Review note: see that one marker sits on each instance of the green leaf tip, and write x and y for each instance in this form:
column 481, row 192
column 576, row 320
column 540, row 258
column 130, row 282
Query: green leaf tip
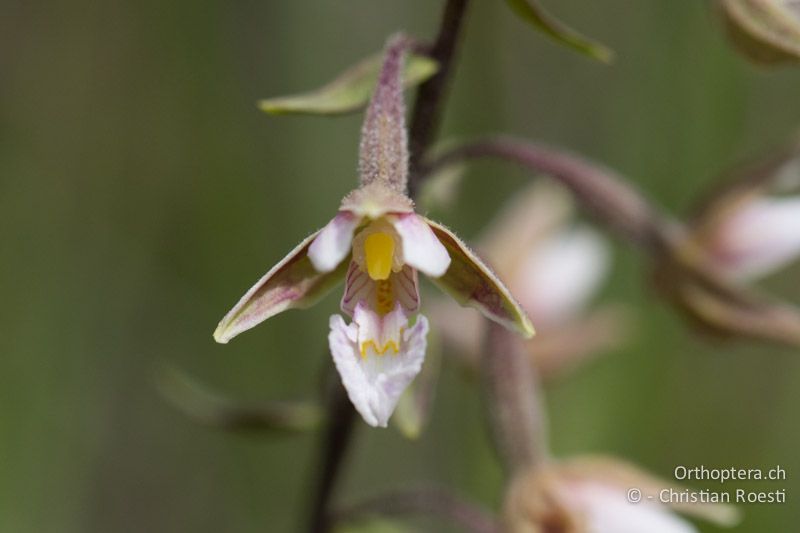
column 205, row 406
column 351, row 90
column 535, row 15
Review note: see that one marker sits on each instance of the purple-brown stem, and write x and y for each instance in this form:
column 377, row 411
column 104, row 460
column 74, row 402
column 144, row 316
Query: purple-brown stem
column 604, row 194
column 684, row 273
column 338, row 433
column 428, row 107
column 516, row 412
column 427, row 501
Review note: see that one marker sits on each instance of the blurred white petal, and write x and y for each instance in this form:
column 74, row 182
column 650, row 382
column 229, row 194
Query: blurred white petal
column 526, row 219
column 559, row 277
column 759, row 238
column 461, row 328
column 607, row 510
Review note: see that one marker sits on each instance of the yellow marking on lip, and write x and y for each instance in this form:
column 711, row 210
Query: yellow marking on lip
column 391, row 345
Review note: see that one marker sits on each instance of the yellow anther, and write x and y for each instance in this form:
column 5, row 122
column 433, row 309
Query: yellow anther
column 379, row 252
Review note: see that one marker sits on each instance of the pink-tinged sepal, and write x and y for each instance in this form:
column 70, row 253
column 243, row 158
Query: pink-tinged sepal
column 403, row 287
column 421, row 248
column 377, row 357
column 470, row 282
column 292, row 283
column 333, row 242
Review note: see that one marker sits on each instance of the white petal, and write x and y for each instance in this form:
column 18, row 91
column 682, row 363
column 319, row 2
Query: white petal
column 333, row 243
column 344, row 349
column 421, row 248
column 607, row 510
column 559, row 277
column 374, row 382
column 760, row 237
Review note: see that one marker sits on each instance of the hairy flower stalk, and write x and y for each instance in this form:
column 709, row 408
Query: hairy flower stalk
column 378, row 244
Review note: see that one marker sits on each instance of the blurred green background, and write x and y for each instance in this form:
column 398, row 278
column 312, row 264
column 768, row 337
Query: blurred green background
column 143, row 192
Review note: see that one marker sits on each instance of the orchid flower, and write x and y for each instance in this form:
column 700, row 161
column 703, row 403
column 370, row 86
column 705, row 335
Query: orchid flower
column 753, row 230
column 603, row 495
column 758, row 238
column 377, row 244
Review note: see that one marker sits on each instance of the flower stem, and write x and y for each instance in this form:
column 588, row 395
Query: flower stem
column 684, row 273
column 516, row 413
column 426, row 501
column 335, row 441
column 613, row 202
column 427, row 111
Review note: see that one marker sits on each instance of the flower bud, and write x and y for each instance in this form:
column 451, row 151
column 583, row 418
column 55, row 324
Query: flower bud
column 766, row 31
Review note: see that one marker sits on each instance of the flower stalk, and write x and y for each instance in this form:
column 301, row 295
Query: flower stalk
column 516, row 414
column 606, row 196
column 684, row 272
column 429, row 105
column 425, row 501
column 335, row 442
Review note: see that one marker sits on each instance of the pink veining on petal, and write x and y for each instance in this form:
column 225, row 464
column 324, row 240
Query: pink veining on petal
column 406, row 288
column 359, row 287
column 420, row 247
column 333, row 243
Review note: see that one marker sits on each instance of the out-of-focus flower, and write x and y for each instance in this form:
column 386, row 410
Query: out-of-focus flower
column 745, row 229
column 757, row 237
column 603, row 495
column 377, row 243
column 766, row 31
column 554, row 268
column 753, row 229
